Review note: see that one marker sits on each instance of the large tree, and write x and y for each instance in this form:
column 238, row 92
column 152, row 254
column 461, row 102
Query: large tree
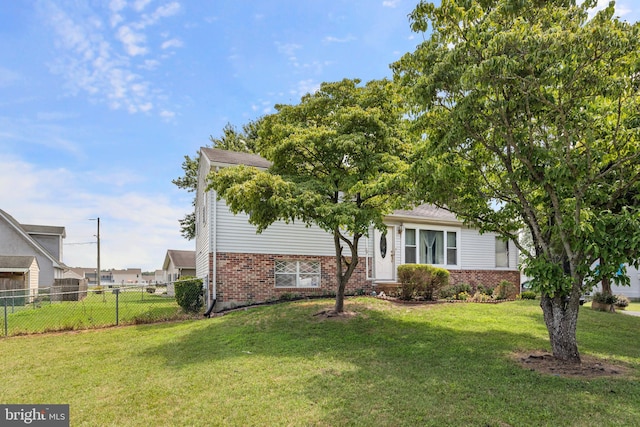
column 231, row 139
column 529, row 114
column 337, row 162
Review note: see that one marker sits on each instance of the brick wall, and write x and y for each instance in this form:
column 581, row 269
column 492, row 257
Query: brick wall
column 486, row 278
column 245, row 278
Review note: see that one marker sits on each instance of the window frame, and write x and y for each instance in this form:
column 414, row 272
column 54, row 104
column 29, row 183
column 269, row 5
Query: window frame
column 446, row 248
column 503, row 254
column 298, row 274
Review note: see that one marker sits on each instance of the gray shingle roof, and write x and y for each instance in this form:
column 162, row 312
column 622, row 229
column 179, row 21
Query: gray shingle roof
column 226, row 157
column 182, row 259
column 15, row 263
column 426, row 211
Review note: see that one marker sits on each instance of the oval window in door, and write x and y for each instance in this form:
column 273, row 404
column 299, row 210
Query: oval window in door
column 383, row 244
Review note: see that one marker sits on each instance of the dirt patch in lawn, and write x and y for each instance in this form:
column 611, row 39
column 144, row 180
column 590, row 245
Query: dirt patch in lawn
column 589, row 368
column 331, row 314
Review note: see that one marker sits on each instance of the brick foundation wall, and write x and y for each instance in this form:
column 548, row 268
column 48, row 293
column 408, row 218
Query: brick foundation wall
column 483, row 277
column 250, row 278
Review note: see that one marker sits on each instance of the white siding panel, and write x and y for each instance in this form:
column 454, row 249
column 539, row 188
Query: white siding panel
column 236, row 235
column 477, row 250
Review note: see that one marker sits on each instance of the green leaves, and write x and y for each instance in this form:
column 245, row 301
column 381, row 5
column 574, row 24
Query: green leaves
column 337, row 160
column 528, row 113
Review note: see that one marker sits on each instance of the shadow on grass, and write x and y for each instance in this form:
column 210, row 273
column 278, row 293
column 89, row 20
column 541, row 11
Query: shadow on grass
column 391, row 365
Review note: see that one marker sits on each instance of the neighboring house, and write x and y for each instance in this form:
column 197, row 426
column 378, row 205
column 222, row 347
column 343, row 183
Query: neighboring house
column 632, row 291
column 19, row 273
column 130, row 275
column 296, row 259
column 178, row 264
column 40, row 241
column 159, row 277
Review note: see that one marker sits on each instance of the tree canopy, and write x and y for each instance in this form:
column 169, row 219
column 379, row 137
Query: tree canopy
column 529, row 118
column 338, row 159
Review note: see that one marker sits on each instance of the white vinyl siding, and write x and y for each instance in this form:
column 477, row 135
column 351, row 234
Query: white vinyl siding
column 236, row 235
column 477, row 251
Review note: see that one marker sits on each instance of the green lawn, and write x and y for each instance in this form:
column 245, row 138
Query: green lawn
column 96, row 310
column 391, row 365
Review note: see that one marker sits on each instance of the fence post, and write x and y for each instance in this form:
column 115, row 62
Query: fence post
column 6, row 324
column 117, row 292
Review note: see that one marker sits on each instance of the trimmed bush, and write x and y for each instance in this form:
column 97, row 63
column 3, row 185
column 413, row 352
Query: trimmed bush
column 421, row 281
column 189, row 294
column 528, row 295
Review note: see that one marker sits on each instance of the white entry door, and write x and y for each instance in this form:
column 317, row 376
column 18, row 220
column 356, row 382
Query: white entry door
column 384, row 248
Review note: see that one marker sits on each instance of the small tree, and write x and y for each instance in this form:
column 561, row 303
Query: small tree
column 337, row 158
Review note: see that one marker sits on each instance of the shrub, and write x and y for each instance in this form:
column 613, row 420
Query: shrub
column 421, row 280
column 189, row 294
column 603, row 298
column 151, row 290
column 528, row 295
column 504, row 290
column 621, row 301
column 485, row 290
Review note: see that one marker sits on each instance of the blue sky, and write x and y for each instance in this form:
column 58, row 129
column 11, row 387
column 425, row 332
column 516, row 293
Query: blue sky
column 101, row 99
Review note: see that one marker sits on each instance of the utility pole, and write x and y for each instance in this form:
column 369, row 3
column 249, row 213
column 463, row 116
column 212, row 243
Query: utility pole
column 98, row 236
column 98, row 282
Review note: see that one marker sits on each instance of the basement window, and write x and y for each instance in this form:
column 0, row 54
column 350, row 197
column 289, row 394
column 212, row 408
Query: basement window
column 297, row 274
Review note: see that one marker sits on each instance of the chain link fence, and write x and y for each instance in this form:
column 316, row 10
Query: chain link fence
column 56, row 309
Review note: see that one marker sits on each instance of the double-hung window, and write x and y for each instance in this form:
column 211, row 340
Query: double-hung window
column 297, row 274
column 502, row 252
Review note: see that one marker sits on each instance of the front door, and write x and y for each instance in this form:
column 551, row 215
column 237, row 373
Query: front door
column 384, row 248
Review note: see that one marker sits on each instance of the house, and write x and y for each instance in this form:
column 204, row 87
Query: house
column 19, row 273
column 239, row 266
column 129, row 275
column 178, row 264
column 42, row 242
column 632, row 291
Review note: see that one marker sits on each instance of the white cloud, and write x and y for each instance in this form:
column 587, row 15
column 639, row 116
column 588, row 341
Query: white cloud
column 331, row 39
column 132, row 41
column 167, row 114
column 100, row 60
column 390, row 3
column 136, row 229
column 304, row 87
column 139, row 5
column 171, row 43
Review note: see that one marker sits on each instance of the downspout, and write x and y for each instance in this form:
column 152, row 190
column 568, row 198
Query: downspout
column 213, row 241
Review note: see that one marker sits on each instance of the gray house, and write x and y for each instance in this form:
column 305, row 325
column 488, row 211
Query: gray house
column 41, row 242
column 178, row 264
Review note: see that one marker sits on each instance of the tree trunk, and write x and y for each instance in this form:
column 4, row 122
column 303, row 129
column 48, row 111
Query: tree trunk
column 342, row 275
column 606, row 285
column 561, row 318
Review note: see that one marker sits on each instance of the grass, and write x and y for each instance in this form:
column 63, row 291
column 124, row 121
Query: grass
column 96, row 310
column 391, row 365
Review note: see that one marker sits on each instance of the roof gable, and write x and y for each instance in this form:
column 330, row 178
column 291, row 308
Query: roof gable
column 219, row 157
column 19, row 228
column 180, row 259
